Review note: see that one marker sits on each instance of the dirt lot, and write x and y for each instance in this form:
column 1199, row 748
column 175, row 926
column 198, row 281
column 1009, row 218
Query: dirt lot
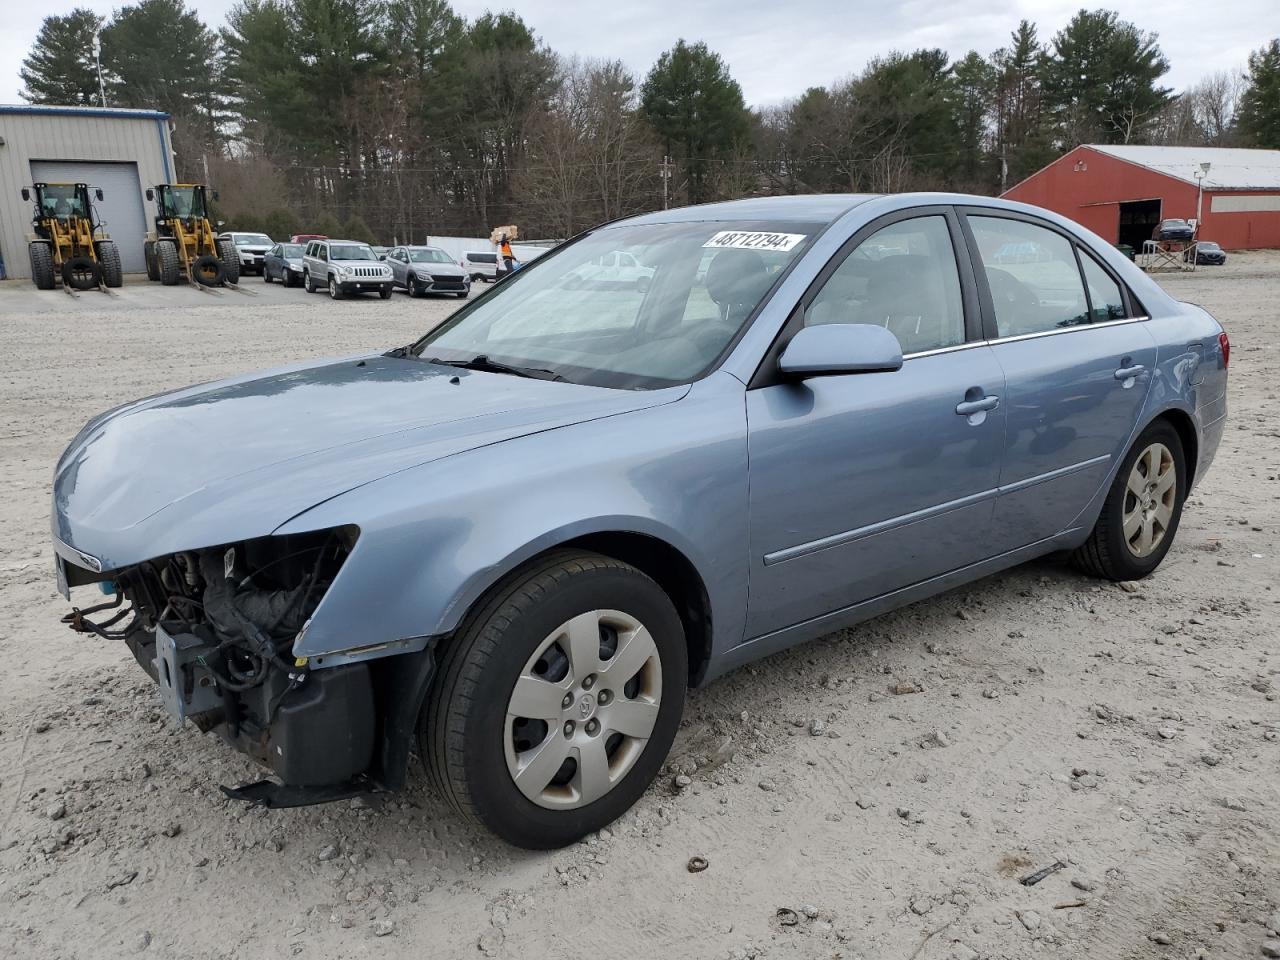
column 1132, row 734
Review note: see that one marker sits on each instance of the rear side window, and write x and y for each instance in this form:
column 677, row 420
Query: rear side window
column 1104, row 293
column 902, row 278
column 1032, row 272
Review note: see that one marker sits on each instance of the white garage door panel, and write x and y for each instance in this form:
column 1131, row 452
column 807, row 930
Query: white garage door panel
column 120, row 208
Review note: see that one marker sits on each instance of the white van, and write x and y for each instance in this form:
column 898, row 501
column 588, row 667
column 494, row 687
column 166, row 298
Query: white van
column 481, row 265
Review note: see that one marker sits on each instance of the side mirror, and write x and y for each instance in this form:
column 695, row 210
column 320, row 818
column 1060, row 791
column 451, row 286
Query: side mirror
column 151, row 194
column 26, row 194
column 98, row 193
column 839, row 348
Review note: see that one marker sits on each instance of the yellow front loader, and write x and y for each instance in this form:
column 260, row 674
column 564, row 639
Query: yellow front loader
column 68, row 241
column 183, row 245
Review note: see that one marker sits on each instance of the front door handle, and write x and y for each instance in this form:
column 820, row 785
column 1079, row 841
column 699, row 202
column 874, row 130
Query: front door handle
column 968, row 408
column 1128, row 373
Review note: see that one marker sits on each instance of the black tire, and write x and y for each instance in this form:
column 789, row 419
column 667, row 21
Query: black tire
column 208, row 271
column 149, row 256
column 462, row 295
column 290, row 279
column 109, row 262
column 385, row 292
column 81, row 273
column 412, row 286
column 1107, row 553
column 167, row 263
column 266, row 274
column 230, row 261
column 42, row 273
column 306, row 282
column 463, row 725
column 335, row 291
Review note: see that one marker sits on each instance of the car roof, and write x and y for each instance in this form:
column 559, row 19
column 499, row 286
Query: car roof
column 813, row 207
column 418, row 246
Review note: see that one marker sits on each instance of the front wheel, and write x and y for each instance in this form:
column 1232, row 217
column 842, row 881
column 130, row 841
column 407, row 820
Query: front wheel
column 556, row 703
column 1141, row 513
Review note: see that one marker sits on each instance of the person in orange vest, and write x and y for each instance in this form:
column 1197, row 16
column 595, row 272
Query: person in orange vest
column 508, row 258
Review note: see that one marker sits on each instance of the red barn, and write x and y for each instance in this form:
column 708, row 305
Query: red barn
column 1122, row 192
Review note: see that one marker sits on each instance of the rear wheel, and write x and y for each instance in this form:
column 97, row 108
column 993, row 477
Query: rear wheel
column 306, row 282
column 558, row 700
column 335, row 291
column 109, row 261
column 230, row 261
column 42, row 274
column 149, row 256
column 167, row 262
column 1140, row 516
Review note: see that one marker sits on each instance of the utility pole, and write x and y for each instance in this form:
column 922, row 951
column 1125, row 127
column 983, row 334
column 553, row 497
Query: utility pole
column 665, row 172
column 1004, row 170
column 1200, row 175
column 97, row 59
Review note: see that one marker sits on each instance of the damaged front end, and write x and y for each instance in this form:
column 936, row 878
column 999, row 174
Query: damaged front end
column 216, row 629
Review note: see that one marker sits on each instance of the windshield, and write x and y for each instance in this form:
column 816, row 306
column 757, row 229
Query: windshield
column 1209, row 245
column 429, row 255
column 182, row 202
column 290, row 249
column 252, row 239
column 61, row 200
column 635, row 306
column 351, row 251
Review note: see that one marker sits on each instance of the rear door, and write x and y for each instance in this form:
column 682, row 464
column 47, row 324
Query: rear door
column 865, row 483
column 1077, row 364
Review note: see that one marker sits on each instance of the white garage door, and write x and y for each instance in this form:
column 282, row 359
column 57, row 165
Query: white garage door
column 120, row 209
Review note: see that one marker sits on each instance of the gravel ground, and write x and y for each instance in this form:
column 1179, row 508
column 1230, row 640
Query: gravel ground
column 1130, row 733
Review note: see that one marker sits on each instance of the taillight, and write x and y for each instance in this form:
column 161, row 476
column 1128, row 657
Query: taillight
column 1225, row 343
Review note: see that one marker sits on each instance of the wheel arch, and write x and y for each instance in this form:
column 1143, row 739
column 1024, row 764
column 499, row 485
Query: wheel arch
column 1188, row 434
column 653, row 555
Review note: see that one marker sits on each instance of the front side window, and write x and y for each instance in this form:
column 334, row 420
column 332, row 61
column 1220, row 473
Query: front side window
column 1032, row 272
column 694, row 287
column 1104, row 293
column 903, row 278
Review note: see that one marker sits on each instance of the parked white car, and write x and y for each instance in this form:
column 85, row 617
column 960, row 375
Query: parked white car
column 250, row 248
column 344, row 266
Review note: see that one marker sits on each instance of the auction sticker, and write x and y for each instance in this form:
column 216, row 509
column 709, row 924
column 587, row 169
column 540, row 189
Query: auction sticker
column 754, row 240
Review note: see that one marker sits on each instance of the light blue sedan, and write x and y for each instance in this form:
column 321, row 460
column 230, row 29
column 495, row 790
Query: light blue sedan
column 523, row 537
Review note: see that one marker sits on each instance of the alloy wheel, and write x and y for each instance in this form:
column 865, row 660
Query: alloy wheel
column 582, row 709
column 1151, row 494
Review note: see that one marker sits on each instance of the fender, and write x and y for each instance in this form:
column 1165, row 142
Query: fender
column 434, row 538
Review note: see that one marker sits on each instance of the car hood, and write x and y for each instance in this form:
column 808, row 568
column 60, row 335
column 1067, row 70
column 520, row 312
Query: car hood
column 358, row 263
column 235, row 459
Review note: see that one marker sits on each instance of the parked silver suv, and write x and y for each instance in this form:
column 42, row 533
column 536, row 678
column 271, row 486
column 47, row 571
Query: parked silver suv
column 344, row 266
column 422, row 270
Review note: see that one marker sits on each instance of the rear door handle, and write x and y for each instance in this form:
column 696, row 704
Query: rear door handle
column 968, row 408
column 1128, row 373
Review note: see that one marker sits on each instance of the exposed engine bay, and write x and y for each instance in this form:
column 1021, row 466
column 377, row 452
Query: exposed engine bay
column 215, row 628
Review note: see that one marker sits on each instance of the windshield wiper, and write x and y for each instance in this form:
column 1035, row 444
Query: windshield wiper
column 481, row 362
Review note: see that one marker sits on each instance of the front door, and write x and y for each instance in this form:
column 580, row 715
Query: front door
column 864, row 483
column 1077, row 367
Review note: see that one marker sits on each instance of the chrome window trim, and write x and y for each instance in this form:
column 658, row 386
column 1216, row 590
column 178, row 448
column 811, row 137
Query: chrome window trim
column 1025, row 336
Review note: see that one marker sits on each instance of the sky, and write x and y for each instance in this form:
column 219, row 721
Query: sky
column 777, row 50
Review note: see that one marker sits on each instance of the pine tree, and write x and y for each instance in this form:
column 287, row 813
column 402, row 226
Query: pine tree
column 1258, row 118
column 697, row 108
column 60, row 68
